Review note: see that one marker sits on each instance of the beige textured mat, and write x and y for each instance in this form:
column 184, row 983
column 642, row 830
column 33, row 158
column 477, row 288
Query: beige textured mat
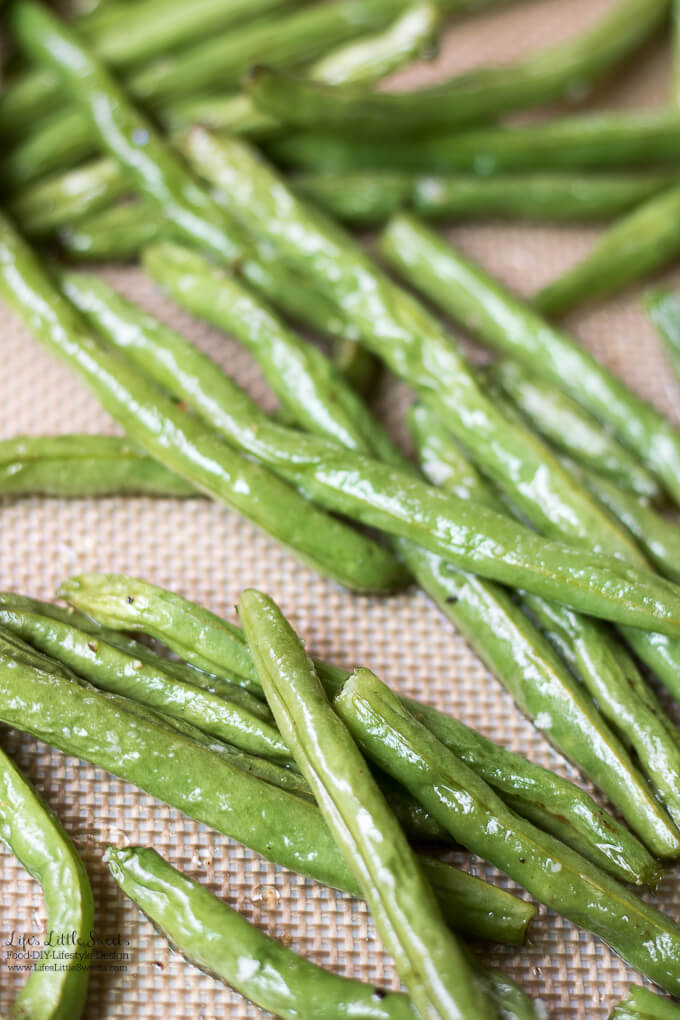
column 208, row 554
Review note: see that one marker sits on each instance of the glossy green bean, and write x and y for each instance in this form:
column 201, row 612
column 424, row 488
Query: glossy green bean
column 211, row 642
column 40, row 843
column 371, row 198
column 642, row 1004
column 478, row 819
column 588, row 141
column 65, row 199
column 645, row 240
column 427, row 958
column 562, row 710
column 133, row 35
column 179, row 441
column 374, row 493
column 38, row 696
column 476, row 96
column 568, row 426
column 675, row 85
column 465, row 291
column 82, row 466
column 112, row 669
column 216, row 939
column 415, row 346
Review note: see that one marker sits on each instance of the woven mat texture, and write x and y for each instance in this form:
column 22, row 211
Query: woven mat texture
column 207, row 553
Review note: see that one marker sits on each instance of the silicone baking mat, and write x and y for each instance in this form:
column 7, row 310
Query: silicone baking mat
column 207, row 553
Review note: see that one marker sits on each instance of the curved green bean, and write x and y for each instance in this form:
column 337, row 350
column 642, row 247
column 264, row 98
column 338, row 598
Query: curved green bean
column 478, row 819
column 40, row 843
column 83, row 465
column 568, row 426
column 645, row 240
column 126, row 603
column 176, row 439
column 642, row 1004
column 159, row 757
column 427, row 958
column 553, row 73
column 373, row 197
column 216, row 939
column 374, row 493
column 588, row 141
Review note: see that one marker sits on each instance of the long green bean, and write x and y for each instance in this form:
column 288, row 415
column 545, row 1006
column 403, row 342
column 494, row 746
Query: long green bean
column 645, row 240
column 83, row 465
column 218, row 940
column 588, row 141
column 568, row 426
column 142, row 748
column 64, row 199
column 370, row 198
column 664, row 309
column 179, row 441
column 473, row 97
column 212, row 643
column 374, row 493
column 42, row 846
column 478, row 819
column 427, row 957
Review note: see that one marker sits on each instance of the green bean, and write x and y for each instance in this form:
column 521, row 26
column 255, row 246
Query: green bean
column 66, row 198
column 219, row 941
column 372, row 197
column 211, row 642
column 554, row 73
column 645, row 240
column 675, row 87
column 133, row 35
column 664, row 309
column 83, row 465
column 568, row 426
column 112, row 669
column 144, row 749
column 415, row 346
column 561, row 710
column 427, row 957
column 399, row 503
column 116, row 234
column 180, row 442
column 642, row 1004
column 589, row 141
column 478, row 819
column 41, row 845
column 465, row 291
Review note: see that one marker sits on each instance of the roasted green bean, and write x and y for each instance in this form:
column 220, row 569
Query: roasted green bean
column 588, row 141
column 83, row 465
column 478, row 819
column 473, row 97
column 427, row 958
column 216, row 939
column 216, row 645
column 40, row 843
column 645, row 240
